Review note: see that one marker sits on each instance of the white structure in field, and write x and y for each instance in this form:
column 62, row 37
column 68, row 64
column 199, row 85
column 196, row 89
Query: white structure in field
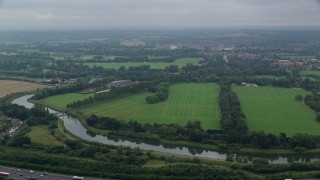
column 173, row 47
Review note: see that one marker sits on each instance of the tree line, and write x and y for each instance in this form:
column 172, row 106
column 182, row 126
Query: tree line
column 232, row 118
column 114, row 93
column 43, row 93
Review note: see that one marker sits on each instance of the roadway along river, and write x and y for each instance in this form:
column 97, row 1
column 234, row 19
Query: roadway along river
column 19, row 174
column 74, row 126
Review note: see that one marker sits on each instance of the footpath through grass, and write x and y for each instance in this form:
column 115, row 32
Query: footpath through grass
column 187, row 101
column 275, row 110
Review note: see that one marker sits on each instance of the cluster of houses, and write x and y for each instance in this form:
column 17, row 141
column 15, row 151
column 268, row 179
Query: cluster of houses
column 288, row 64
column 121, row 83
column 15, row 126
column 61, row 81
column 249, row 84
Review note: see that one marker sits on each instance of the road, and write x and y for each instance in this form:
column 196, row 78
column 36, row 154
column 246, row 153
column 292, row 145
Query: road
column 19, row 174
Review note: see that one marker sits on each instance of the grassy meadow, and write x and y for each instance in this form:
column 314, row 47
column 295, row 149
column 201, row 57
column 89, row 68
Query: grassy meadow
column 294, row 56
column 61, row 101
column 153, row 65
column 275, row 110
column 187, row 101
column 310, row 73
column 41, row 134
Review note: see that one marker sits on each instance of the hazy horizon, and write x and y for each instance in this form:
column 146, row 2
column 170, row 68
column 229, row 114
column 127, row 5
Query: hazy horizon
column 33, row 15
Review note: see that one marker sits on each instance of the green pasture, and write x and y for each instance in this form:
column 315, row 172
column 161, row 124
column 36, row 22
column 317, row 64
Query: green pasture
column 275, row 110
column 61, row 101
column 187, row 101
column 310, row 78
column 294, row 56
column 153, row 65
column 269, row 77
column 310, row 72
column 41, row 134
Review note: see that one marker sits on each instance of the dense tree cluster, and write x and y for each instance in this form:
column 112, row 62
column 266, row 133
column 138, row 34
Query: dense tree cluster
column 36, row 116
column 109, row 162
column 313, row 101
column 160, row 93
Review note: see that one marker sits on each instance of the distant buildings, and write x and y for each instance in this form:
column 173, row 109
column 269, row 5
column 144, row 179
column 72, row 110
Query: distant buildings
column 14, row 126
column 289, row 64
column 61, row 81
column 249, row 84
column 121, row 83
column 132, row 43
column 173, row 47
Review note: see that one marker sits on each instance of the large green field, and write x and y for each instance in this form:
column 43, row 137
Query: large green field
column 186, row 102
column 153, row 65
column 61, row 101
column 275, row 110
column 294, row 56
column 310, row 73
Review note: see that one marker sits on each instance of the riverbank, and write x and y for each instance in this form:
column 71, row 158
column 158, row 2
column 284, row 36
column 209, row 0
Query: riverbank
column 78, row 127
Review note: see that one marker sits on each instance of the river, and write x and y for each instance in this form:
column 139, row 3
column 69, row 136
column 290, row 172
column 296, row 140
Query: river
column 74, row 126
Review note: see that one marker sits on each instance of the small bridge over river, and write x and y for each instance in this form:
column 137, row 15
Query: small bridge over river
column 59, row 114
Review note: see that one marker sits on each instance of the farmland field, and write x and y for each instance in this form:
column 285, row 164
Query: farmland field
column 275, row 110
column 153, row 65
column 8, row 87
column 61, row 101
column 186, row 102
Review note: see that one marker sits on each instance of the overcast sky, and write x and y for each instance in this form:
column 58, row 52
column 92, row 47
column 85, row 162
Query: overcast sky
column 105, row 14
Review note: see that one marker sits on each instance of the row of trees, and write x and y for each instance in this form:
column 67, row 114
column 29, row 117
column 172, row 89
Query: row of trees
column 59, row 90
column 232, row 118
